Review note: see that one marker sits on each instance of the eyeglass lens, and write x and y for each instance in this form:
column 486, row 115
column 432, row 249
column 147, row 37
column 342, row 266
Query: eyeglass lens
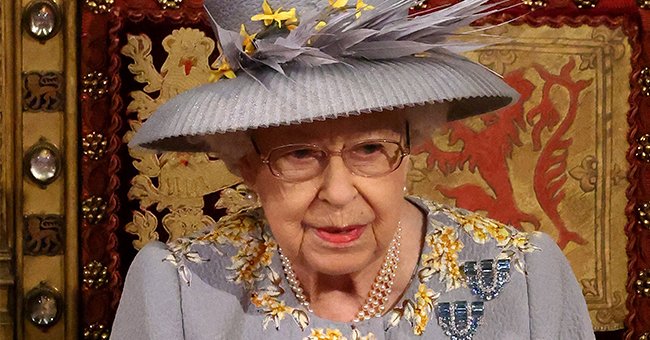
column 303, row 162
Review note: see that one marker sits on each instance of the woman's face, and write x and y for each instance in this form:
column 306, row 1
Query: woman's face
column 338, row 222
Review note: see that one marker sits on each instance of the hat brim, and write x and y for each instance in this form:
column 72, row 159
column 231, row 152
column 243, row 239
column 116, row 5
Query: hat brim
column 307, row 94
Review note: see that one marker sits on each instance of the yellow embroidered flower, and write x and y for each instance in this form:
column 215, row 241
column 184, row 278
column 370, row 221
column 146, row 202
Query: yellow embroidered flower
column 420, row 324
column 233, row 229
column 268, row 16
column 425, row 297
column 362, row 6
column 328, row 334
column 499, row 232
column 445, row 247
column 520, row 240
column 279, row 309
column 223, row 70
column 263, row 300
column 247, row 44
column 338, row 4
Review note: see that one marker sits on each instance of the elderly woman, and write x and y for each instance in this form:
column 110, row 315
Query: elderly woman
column 325, row 101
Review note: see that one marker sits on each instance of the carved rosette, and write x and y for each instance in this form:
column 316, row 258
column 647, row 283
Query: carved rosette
column 586, row 4
column 645, row 336
column 644, row 80
column 93, row 209
column 94, row 85
column 643, row 214
column 94, row 145
column 643, row 4
column 100, row 6
column 95, row 275
column 96, row 331
column 535, row 4
column 643, row 148
column 642, row 283
column 420, row 5
column 170, row 4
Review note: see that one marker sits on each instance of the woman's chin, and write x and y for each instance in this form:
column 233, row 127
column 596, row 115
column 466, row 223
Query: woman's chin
column 338, row 264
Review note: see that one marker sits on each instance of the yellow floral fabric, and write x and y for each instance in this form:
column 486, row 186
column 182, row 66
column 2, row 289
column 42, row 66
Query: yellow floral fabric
column 254, row 265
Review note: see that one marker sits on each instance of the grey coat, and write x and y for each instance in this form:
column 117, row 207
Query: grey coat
column 199, row 291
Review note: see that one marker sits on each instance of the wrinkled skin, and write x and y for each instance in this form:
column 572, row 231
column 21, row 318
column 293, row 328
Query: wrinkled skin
column 337, row 277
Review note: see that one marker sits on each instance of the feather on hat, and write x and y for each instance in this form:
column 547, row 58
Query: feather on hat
column 312, row 60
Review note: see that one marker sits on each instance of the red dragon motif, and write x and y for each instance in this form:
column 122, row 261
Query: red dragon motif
column 489, row 150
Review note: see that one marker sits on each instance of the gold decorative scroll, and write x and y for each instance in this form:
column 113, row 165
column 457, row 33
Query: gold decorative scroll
column 556, row 161
column 181, row 179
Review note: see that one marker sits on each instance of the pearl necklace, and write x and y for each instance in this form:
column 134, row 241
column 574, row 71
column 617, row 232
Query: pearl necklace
column 375, row 303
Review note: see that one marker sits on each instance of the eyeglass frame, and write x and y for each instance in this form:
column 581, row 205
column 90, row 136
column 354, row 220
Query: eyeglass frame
column 404, row 150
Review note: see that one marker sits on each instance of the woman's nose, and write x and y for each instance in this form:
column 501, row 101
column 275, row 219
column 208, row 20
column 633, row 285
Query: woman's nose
column 337, row 186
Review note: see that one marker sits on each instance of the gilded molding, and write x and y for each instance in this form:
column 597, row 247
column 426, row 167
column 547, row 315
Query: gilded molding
column 93, row 209
column 94, row 84
column 642, row 152
column 95, row 275
column 642, row 283
column 94, row 145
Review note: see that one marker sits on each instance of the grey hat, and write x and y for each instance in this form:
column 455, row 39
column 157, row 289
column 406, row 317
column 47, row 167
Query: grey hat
column 338, row 60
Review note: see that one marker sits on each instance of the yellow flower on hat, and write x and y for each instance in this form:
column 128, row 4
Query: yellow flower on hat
column 223, row 70
column 291, row 23
column 320, row 25
column 338, row 4
column 279, row 16
column 362, row 6
column 249, row 46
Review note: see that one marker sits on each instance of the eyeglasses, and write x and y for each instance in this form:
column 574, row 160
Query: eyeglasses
column 302, row 162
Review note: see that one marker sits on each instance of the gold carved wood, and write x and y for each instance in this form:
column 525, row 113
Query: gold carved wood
column 6, row 256
column 555, row 162
column 181, row 179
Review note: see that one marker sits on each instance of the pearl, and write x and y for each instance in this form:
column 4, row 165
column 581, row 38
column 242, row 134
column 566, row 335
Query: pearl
column 377, row 296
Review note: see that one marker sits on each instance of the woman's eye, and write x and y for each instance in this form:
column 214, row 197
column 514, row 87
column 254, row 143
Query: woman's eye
column 303, row 154
column 368, row 149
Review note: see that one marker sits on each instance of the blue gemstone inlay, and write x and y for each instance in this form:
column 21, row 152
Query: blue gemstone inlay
column 459, row 320
column 487, row 278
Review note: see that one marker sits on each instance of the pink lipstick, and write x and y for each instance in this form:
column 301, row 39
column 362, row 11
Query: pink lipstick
column 340, row 235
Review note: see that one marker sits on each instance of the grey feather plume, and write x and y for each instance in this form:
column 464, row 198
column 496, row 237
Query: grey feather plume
column 384, row 32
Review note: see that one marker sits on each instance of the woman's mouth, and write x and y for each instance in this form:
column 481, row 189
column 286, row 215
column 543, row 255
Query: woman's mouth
column 340, row 235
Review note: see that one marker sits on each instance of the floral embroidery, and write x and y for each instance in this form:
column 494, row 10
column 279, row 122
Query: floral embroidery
column 251, row 265
column 244, row 230
column 512, row 242
column 335, row 334
column 416, row 313
column 443, row 258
